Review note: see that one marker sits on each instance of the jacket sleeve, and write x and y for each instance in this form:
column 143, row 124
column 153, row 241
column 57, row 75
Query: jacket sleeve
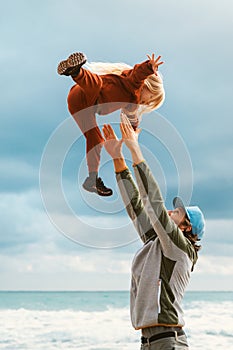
column 134, row 80
column 134, row 205
column 170, row 236
column 138, row 74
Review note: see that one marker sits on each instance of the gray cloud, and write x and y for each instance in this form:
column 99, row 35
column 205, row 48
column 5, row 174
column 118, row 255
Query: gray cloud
column 214, row 196
column 25, row 224
column 195, row 41
column 33, row 251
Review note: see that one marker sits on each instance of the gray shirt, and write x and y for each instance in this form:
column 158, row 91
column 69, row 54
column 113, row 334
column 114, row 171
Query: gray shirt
column 161, row 268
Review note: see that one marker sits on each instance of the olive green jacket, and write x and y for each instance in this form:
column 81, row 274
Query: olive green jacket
column 161, row 268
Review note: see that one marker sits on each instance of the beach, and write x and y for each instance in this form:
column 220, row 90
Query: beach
column 101, row 320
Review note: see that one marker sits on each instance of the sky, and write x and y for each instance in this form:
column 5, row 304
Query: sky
column 88, row 243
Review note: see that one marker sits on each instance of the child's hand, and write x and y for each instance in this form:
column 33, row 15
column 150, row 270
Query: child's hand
column 112, row 145
column 155, row 63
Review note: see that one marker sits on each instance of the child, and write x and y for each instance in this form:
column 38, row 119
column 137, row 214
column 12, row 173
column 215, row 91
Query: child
column 119, row 86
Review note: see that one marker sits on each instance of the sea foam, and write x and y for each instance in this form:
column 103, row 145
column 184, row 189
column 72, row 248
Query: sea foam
column 209, row 324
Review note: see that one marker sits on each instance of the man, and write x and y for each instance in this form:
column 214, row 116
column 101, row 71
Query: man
column 161, row 268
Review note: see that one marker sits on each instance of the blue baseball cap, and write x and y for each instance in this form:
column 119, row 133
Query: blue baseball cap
column 194, row 215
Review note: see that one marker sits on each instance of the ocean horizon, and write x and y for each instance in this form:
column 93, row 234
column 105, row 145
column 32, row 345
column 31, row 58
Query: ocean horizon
column 100, row 320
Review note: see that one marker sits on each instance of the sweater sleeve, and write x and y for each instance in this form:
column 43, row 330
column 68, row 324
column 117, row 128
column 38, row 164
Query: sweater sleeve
column 138, row 74
column 134, row 80
column 134, row 205
column 168, row 232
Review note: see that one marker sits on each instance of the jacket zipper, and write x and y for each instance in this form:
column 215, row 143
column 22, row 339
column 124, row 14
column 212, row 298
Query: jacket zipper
column 159, row 294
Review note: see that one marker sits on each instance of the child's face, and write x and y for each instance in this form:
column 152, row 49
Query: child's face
column 146, row 95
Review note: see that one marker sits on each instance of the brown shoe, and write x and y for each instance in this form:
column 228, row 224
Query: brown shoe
column 96, row 186
column 72, row 64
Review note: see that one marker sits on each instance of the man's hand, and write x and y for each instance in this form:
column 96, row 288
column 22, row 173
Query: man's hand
column 112, row 145
column 129, row 136
column 155, row 62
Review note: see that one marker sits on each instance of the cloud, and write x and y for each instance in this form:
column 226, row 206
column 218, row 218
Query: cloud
column 119, row 266
column 212, row 273
column 198, row 83
column 50, row 260
column 60, row 272
column 24, row 221
column 218, row 240
column 213, row 197
column 95, row 269
column 215, row 265
column 33, row 251
column 17, row 175
column 41, row 262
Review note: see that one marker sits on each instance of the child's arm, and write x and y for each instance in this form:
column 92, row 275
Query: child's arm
column 141, row 71
column 136, row 77
column 138, row 74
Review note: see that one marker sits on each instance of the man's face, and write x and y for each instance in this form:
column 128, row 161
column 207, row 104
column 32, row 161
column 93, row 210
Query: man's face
column 177, row 215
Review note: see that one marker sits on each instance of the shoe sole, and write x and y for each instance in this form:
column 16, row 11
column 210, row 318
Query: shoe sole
column 75, row 60
column 102, row 194
column 92, row 190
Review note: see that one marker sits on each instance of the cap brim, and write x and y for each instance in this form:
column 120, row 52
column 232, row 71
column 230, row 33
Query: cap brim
column 178, row 203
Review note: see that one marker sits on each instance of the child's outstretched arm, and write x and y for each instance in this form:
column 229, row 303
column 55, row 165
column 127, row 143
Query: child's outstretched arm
column 136, row 78
column 143, row 70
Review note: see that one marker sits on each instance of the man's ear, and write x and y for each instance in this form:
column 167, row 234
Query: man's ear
column 188, row 228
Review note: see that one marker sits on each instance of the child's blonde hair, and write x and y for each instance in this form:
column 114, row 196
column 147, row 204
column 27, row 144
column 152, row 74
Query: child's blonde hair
column 153, row 83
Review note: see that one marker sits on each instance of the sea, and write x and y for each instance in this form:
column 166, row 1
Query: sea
column 101, row 320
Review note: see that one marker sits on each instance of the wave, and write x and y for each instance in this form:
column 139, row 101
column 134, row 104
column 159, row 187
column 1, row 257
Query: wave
column 67, row 329
column 208, row 325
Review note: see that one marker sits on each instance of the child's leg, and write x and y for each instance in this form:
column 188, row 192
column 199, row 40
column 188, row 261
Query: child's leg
column 91, row 85
column 72, row 64
column 81, row 104
column 86, row 121
column 94, row 142
column 86, row 91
